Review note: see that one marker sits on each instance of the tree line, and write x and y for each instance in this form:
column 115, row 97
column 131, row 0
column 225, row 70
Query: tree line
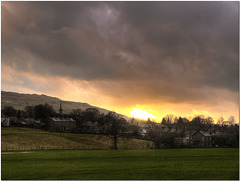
column 87, row 121
column 222, row 135
column 114, row 125
column 40, row 111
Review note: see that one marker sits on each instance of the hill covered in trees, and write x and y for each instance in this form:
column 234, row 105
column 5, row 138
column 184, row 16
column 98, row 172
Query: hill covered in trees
column 20, row 101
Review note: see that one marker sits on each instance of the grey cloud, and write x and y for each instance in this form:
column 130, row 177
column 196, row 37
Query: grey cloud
column 190, row 44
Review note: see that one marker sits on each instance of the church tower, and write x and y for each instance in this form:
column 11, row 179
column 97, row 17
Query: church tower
column 60, row 109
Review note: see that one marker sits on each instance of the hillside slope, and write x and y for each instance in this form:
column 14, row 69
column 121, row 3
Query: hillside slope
column 17, row 138
column 20, row 101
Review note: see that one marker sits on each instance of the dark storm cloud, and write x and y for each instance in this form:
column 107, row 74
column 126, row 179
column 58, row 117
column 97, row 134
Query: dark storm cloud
column 161, row 48
column 199, row 37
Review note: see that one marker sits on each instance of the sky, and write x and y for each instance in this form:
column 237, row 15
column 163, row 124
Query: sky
column 146, row 59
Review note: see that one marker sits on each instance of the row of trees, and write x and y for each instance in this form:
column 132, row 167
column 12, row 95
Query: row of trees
column 92, row 121
column 40, row 111
column 87, row 121
column 223, row 136
column 114, row 125
column 111, row 124
column 170, row 119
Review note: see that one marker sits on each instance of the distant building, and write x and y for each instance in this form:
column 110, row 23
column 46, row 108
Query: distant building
column 5, row 121
column 61, row 123
column 201, row 139
column 196, row 139
column 31, row 122
column 184, row 141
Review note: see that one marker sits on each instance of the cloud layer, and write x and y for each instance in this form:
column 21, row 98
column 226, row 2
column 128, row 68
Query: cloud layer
column 143, row 52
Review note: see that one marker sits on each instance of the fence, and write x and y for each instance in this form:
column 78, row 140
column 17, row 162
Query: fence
column 72, row 148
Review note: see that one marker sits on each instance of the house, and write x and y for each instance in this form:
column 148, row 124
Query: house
column 31, row 122
column 184, row 141
column 61, row 124
column 5, row 121
column 195, row 139
column 201, row 139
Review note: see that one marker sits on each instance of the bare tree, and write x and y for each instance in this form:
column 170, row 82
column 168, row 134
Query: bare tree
column 220, row 121
column 116, row 126
column 170, row 118
column 231, row 120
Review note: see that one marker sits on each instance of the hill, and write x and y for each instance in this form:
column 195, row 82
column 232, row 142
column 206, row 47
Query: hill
column 17, row 138
column 20, row 101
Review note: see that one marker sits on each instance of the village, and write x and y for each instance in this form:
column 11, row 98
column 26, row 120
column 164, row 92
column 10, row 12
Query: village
column 172, row 132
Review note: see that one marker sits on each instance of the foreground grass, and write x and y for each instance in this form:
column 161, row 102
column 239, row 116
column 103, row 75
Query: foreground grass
column 28, row 138
column 185, row 164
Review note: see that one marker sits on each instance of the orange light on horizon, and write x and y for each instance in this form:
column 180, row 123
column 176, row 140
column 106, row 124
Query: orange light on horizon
column 142, row 114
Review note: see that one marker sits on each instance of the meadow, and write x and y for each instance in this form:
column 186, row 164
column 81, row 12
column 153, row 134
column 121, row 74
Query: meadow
column 165, row 164
column 18, row 138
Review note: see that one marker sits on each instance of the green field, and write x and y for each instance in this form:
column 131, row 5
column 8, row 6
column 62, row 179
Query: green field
column 185, row 164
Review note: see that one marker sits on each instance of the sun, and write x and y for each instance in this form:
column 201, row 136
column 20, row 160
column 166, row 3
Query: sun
column 142, row 114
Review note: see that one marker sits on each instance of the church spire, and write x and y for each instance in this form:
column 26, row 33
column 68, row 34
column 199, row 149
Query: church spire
column 60, row 109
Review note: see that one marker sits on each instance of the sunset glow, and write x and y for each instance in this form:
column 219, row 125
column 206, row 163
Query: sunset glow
column 138, row 113
column 137, row 59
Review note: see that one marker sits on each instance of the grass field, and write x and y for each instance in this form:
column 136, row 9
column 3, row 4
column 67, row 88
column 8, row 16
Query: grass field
column 14, row 138
column 167, row 164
